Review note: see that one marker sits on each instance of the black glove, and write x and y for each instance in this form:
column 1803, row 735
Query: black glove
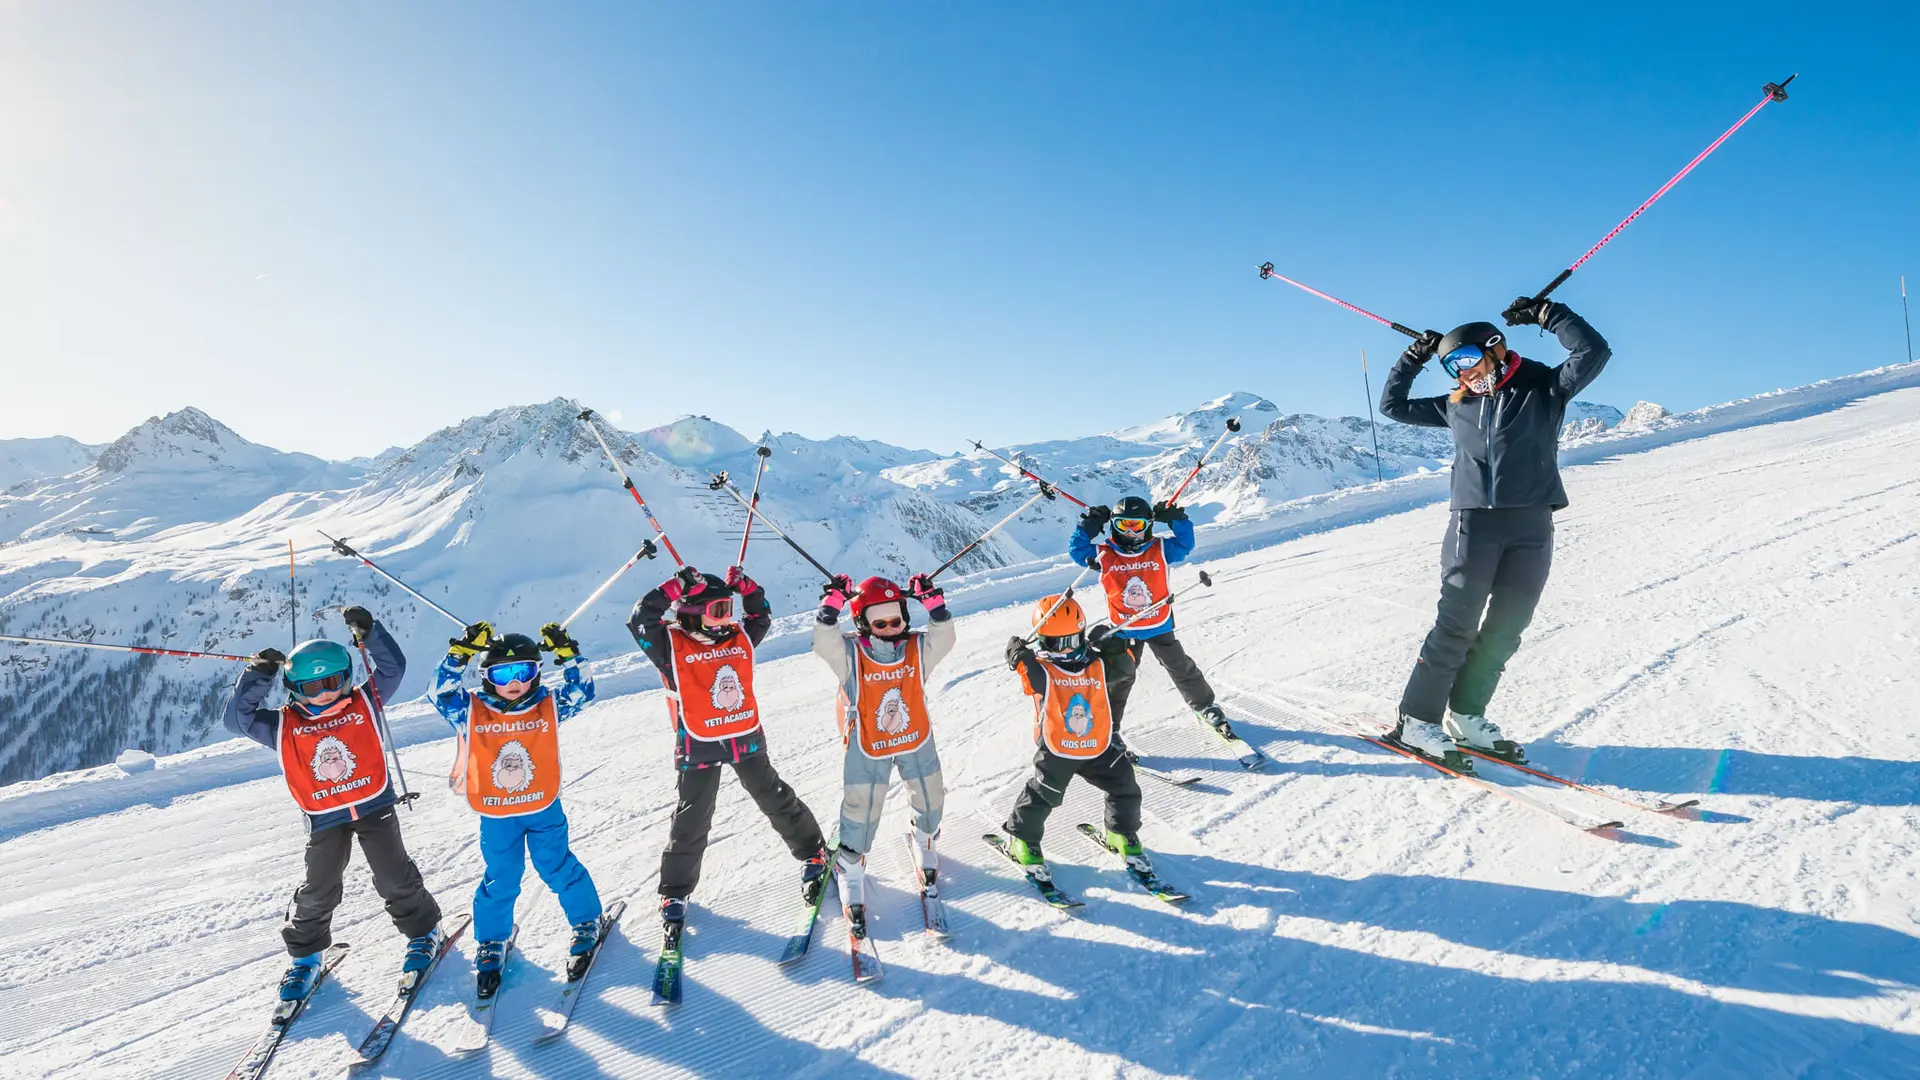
column 1018, row 652
column 1095, row 519
column 691, row 581
column 267, row 661
column 555, row 639
column 1165, row 514
column 1423, row 347
column 476, row 639
column 360, row 621
column 1526, row 311
column 1102, row 639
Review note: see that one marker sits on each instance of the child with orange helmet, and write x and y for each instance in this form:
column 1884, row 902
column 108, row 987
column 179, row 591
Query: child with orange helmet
column 882, row 668
column 1078, row 679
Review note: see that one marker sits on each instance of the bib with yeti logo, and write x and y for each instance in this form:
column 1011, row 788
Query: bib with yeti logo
column 713, row 686
column 509, row 763
column 1135, row 583
column 333, row 760
column 890, row 704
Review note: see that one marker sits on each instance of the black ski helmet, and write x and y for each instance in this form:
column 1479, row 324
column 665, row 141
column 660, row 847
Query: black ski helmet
column 506, row 648
column 688, row 609
column 1484, row 334
column 1133, row 506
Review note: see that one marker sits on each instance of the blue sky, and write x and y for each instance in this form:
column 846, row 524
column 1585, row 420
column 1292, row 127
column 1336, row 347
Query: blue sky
column 339, row 227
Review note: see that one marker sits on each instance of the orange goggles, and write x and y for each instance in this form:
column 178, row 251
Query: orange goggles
column 1131, row 525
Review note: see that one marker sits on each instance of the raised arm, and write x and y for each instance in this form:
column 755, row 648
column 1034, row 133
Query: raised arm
column 1394, row 402
column 243, row 715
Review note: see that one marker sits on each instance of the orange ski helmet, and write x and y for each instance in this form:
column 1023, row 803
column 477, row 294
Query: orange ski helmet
column 1063, row 631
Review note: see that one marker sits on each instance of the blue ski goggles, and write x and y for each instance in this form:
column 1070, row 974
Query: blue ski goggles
column 1464, row 358
column 513, row 671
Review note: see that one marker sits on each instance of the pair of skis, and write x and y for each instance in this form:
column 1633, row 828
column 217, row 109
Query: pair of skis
column 555, row 1020
column 1246, row 755
column 1041, row 877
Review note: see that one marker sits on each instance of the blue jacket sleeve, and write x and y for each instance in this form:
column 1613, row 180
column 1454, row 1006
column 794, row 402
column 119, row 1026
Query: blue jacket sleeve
column 450, row 697
column 244, row 716
column 1395, row 405
column 1081, row 550
column 389, row 663
column 576, row 689
column 1180, row 544
column 1587, row 351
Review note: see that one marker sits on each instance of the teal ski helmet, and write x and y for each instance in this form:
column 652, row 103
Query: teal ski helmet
column 316, row 667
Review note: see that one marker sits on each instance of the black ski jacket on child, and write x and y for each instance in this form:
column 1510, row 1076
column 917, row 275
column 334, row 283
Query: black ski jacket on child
column 1507, row 444
column 650, row 632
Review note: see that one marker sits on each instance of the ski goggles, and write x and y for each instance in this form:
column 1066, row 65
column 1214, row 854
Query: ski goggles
column 895, row 623
column 1464, row 358
column 718, row 610
column 1131, row 526
column 513, row 671
column 325, row 684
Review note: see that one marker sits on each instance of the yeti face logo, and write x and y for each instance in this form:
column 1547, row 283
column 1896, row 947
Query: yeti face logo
column 1079, row 716
column 728, row 695
column 513, row 768
column 892, row 714
column 332, row 761
column 1136, row 595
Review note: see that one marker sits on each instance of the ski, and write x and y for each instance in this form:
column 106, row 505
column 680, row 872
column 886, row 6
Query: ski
column 1662, row 806
column 578, row 968
column 1049, row 892
column 1161, row 775
column 666, row 971
column 381, row 1037
column 482, row 1011
column 1152, row 882
column 1482, row 782
column 866, row 959
column 1250, row 757
column 255, row 1063
column 802, row 937
column 932, row 910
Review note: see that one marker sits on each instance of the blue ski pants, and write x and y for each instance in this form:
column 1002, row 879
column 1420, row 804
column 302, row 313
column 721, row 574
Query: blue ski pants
column 505, row 845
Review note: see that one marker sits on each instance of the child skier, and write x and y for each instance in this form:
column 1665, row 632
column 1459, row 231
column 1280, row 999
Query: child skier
column 882, row 668
column 508, row 764
column 1134, row 565
column 333, row 755
column 688, row 629
column 1078, row 680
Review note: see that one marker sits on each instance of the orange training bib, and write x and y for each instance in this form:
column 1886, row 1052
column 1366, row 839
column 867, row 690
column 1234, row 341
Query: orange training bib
column 1072, row 717
column 713, row 686
column 890, row 704
column 333, row 760
column 509, row 763
column 1134, row 583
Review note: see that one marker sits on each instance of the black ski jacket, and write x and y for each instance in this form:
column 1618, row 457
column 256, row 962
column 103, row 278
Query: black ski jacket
column 1506, row 444
column 648, row 627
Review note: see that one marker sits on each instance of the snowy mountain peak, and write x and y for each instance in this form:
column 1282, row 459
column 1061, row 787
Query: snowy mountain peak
column 183, row 439
column 550, row 429
column 1204, row 422
column 694, row 441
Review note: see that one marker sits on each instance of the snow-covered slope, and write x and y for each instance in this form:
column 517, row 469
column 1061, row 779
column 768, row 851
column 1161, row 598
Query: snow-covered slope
column 32, row 459
column 1730, row 621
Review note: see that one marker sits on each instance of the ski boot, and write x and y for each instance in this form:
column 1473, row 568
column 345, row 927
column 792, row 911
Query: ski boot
column 1429, row 740
column 585, row 935
column 850, row 872
column 1029, row 858
column 813, row 877
column 488, row 961
column 673, row 909
column 1483, row 735
column 298, row 982
column 1217, row 720
column 1128, row 848
column 420, row 954
column 927, row 860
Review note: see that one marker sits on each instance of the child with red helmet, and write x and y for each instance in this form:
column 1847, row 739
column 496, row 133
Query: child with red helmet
column 882, row 669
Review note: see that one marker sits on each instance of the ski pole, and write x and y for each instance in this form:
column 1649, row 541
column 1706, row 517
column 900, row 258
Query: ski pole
column 659, row 533
column 380, row 716
column 746, row 531
column 1772, row 92
column 1031, row 475
column 341, row 547
column 1903, row 315
column 1367, row 381
column 142, row 649
column 720, row 483
column 293, row 595
column 1061, row 599
column 647, row 551
column 982, row 538
column 1205, row 582
column 1268, row 272
column 1233, row 425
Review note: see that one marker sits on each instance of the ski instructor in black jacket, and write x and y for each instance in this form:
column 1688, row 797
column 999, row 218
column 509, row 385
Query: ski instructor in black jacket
column 1505, row 415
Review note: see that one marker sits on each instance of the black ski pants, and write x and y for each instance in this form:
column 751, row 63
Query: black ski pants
column 693, row 819
column 309, row 926
column 1180, row 667
column 1111, row 772
column 1493, row 567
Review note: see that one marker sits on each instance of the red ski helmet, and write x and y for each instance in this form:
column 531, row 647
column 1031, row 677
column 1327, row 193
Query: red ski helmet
column 876, row 590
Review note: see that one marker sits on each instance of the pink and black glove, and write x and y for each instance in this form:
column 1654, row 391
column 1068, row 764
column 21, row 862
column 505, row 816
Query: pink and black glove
column 922, row 588
column 834, row 596
column 685, row 582
column 739, row 582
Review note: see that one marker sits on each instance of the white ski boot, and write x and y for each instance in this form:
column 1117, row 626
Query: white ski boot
column 928, row 859
column 850, row 874
column 1429, row 740
column 1483, row 735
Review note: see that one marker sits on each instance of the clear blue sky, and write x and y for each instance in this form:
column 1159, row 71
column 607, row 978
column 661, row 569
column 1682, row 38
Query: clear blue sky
column 338, row 227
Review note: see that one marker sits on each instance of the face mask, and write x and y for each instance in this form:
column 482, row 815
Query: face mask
column 1480, row 384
